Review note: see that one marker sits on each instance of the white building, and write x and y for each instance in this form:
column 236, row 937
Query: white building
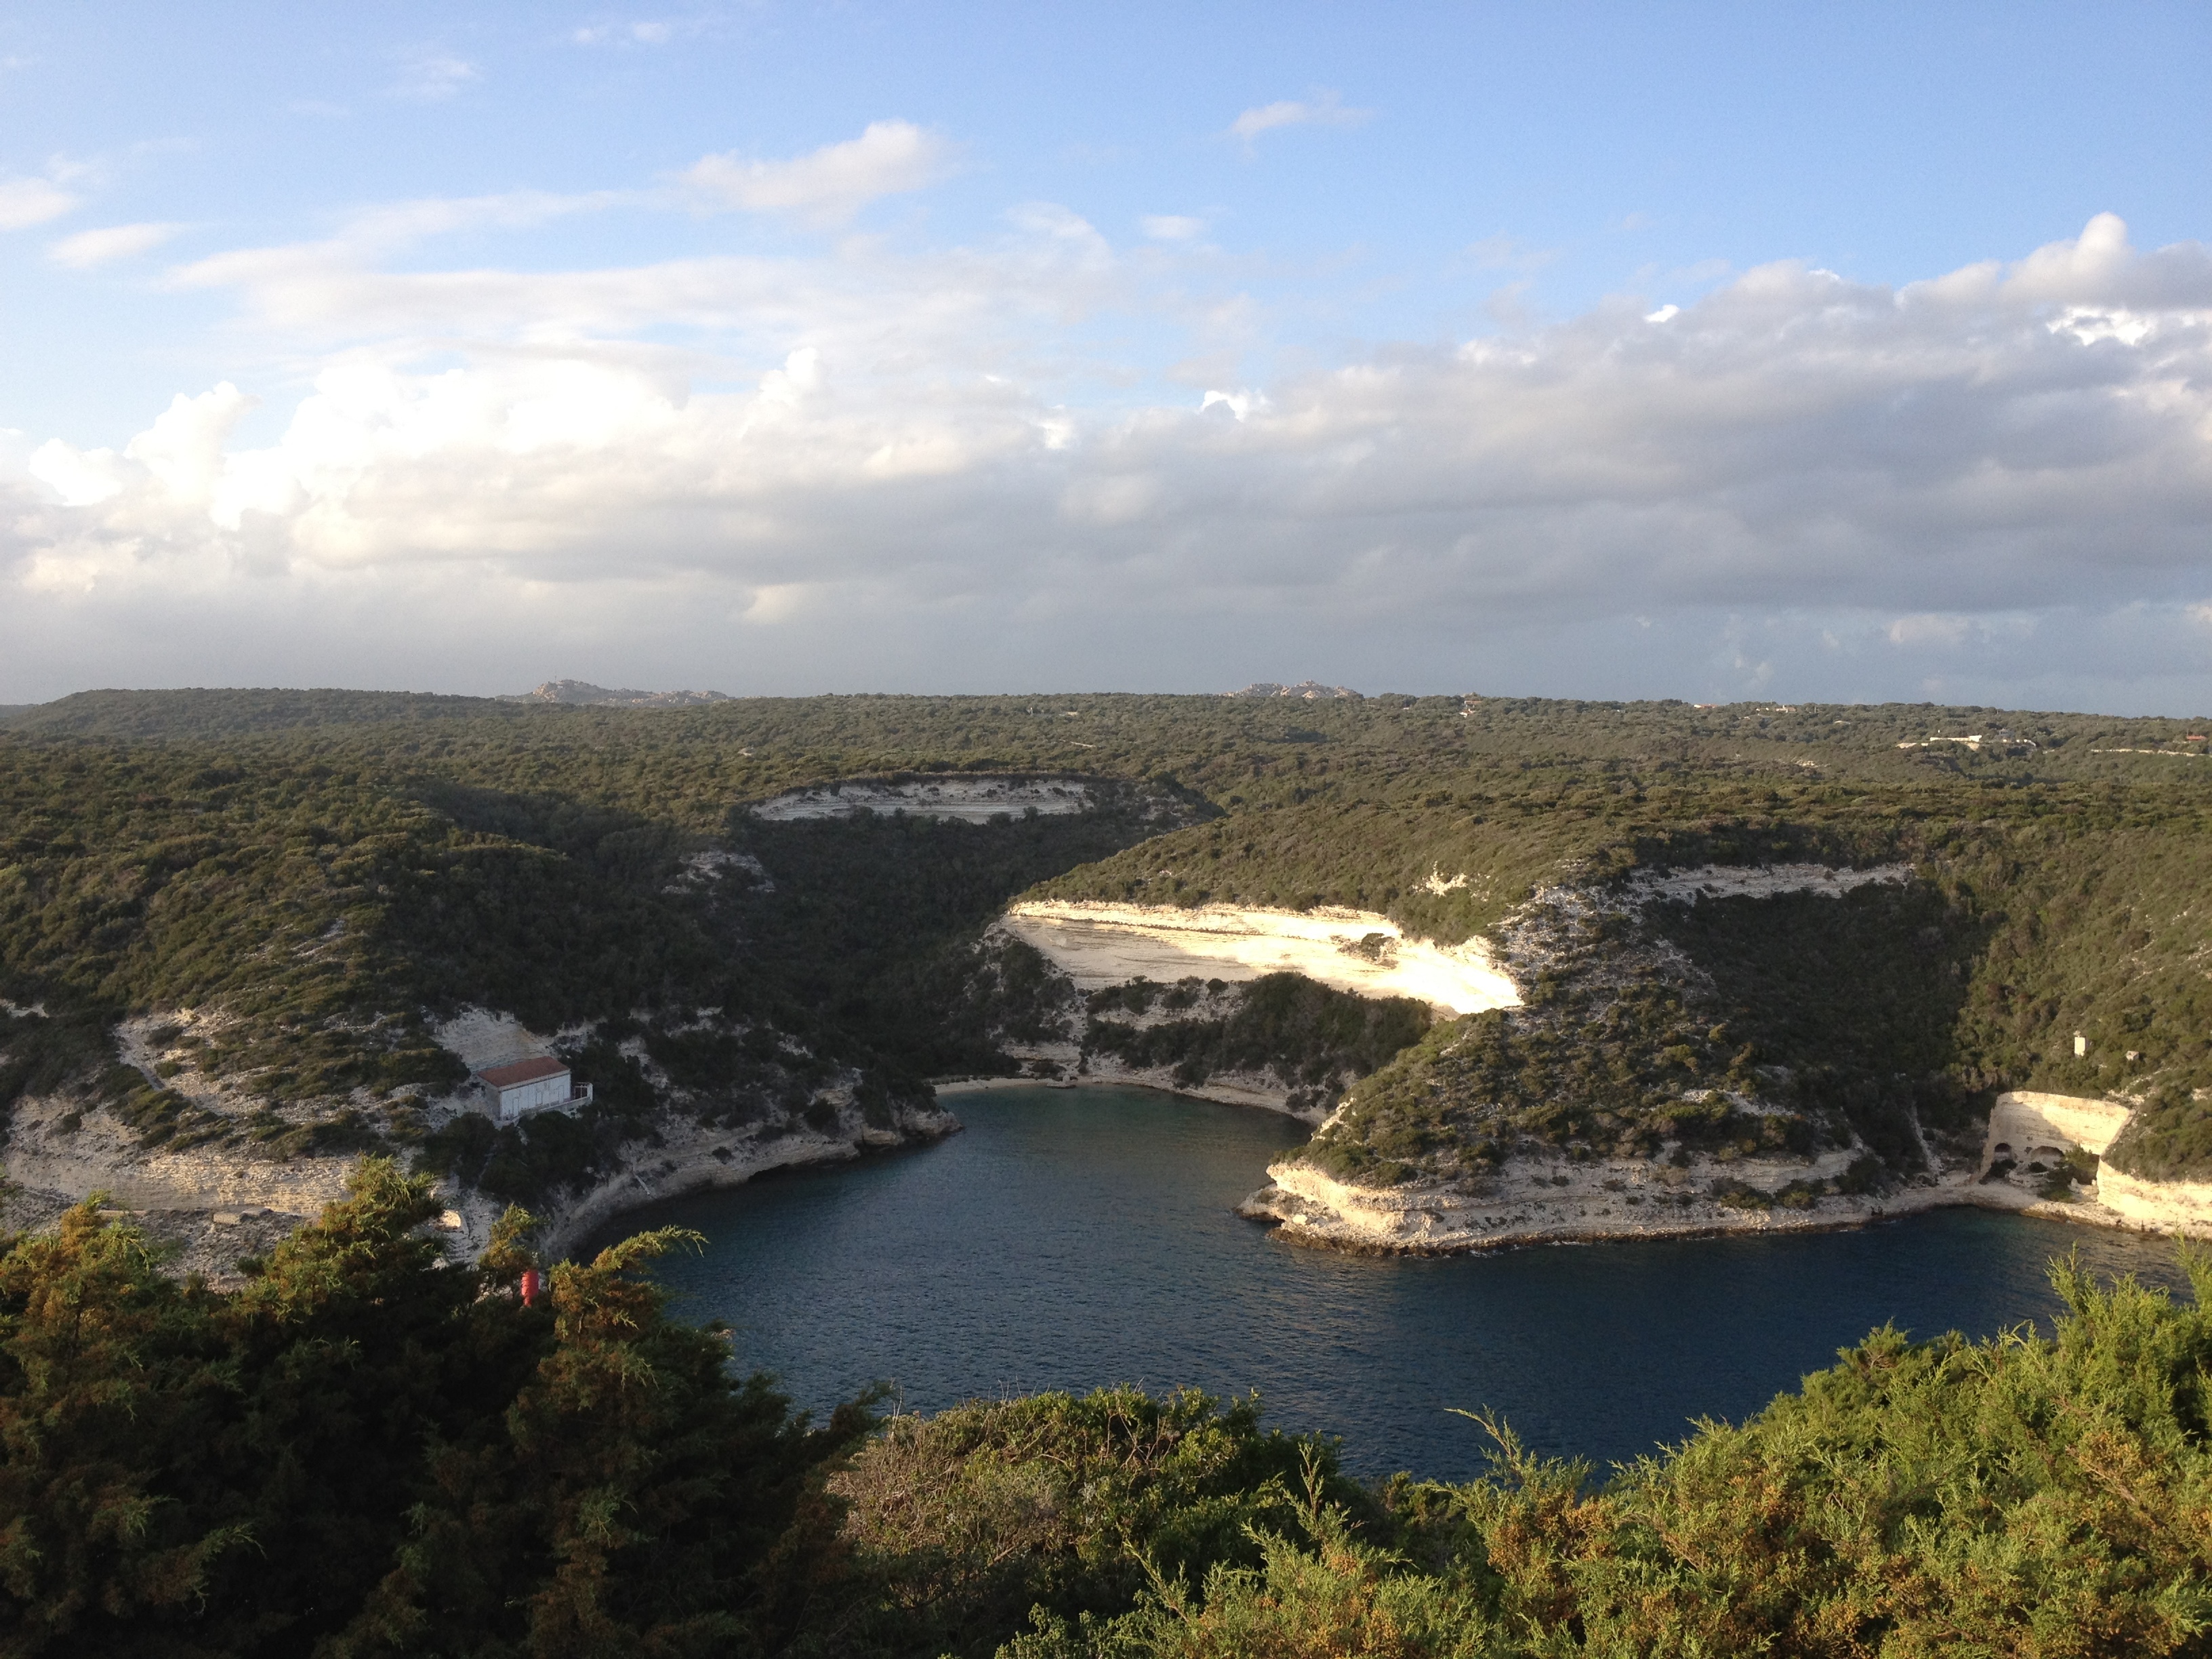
column 530, row 1085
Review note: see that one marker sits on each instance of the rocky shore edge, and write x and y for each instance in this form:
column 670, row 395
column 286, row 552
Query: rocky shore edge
column 1255, row 1088
column 211, row 1205
column 2033, row 1143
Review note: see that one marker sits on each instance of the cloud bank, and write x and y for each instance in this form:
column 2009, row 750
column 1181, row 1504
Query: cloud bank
column 1996, row 484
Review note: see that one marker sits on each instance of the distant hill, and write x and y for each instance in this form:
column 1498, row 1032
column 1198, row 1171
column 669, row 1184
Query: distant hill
column 584, row 693
column 200, row 714
column 1309, row 691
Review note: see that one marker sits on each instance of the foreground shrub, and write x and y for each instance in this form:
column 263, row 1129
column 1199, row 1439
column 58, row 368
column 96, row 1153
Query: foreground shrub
column 371, row 1451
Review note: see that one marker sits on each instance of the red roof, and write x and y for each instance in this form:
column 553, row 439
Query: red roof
column 523, row 1071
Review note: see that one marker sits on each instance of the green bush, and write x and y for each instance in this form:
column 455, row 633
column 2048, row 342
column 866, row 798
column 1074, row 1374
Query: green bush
column 371, row 1450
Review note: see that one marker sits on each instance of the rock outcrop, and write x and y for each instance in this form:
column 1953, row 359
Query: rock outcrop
column 1098, row 944
column 247, row 1172
column 2040, row 1156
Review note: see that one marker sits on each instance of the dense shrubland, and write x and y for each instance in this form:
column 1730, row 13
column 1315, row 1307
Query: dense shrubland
column 331, row 869
column 1309, row 1039
column 1890, row 1015
column 368, row 1450
column 1733, row 1026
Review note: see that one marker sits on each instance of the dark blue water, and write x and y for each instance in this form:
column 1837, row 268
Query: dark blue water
column 1075, row 1238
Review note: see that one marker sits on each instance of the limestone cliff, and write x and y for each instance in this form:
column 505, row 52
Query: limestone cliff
column 2040, row 1156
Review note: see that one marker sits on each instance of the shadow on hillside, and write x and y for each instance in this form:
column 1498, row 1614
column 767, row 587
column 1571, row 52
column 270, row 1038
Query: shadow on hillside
column 868, row 918
column 1860, row 996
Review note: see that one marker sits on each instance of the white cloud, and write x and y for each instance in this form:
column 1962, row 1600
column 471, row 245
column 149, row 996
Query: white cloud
column 27, row 202
column 300, row 284
column 1324, row 109
column 892, row 471
column 645, row 31
column 88, row 248
column 434, row 77
column 80, row 477
column 1171, row 227
column 830, row 185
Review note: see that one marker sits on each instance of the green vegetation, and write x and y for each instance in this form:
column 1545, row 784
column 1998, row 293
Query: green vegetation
column 1894, row 1014
column 964, row 1526
column 1733, row 1026
column 290, row 1468
column 371, row 1451
column 2024, row 1496
column 873, row 918
column 1311, row 1039
column 331, row 871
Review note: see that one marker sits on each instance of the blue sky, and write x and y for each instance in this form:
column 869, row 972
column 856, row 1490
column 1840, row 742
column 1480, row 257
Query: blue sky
column 876, row 347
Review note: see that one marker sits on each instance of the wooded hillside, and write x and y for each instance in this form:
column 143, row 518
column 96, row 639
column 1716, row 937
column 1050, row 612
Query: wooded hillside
column 332, row 868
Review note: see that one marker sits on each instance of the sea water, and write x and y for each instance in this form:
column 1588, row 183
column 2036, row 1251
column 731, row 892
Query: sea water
column 1077, row 1238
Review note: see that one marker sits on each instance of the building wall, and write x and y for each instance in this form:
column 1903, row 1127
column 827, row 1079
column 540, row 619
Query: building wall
column 529, row 1097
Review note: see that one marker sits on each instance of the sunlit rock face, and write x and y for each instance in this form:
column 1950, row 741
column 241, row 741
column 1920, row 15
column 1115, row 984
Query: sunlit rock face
column 1098, row 945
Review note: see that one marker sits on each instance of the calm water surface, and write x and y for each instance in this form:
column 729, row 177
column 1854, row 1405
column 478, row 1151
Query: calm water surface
column 1072, row 1238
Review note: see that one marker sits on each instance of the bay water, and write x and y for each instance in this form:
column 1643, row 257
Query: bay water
column 1077, row 1238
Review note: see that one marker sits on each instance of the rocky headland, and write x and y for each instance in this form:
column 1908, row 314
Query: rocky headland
column 2054, row 1171
column 1744, row 1158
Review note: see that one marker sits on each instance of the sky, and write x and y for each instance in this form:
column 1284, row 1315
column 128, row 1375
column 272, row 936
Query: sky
column 1836, row 352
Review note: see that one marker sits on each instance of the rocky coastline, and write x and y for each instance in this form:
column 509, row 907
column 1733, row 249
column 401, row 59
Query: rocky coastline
column 211, row 1205
column 2028, row 1157
column 1062, row 1065
column 211, row 1200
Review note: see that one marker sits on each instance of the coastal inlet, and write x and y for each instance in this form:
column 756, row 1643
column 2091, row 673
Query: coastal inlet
column 1077, row 1238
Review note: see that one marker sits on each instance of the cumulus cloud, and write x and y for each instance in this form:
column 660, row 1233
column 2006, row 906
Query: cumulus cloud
column 27, row 202
column 88, row 248
column 1323, row 109
column 1996, row 477
column 830, row 185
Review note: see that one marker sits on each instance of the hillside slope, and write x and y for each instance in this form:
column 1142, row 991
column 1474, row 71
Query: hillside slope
column 305, row 885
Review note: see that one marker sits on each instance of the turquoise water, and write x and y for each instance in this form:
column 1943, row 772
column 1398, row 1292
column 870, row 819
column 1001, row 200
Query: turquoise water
column 1073, row 1238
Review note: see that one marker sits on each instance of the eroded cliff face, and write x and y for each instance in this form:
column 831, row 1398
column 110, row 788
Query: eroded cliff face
column 1211, row 1010
column 2155, row 1206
